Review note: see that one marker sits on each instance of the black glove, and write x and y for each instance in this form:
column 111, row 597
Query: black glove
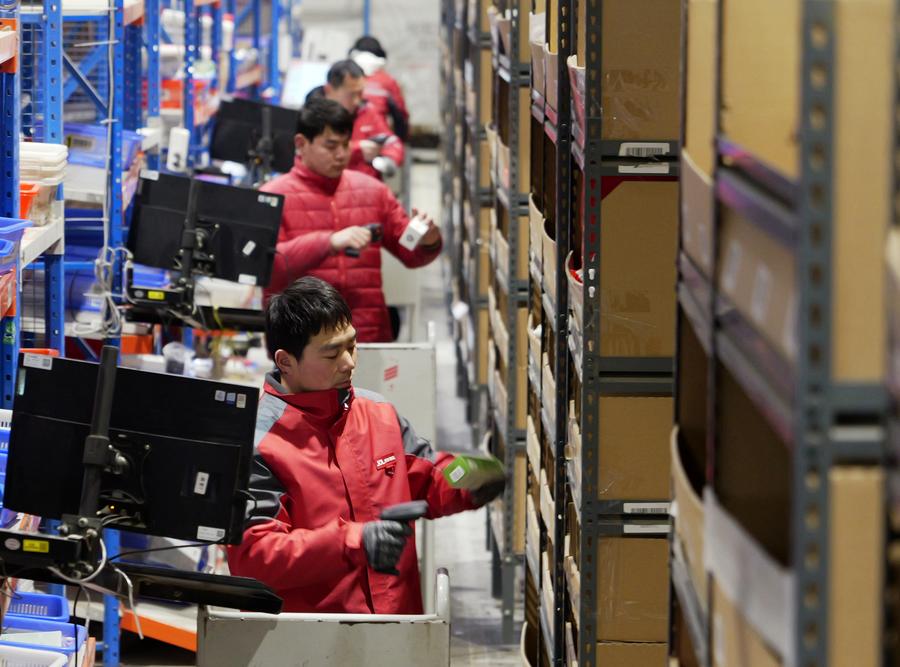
column 485, row 494
column 384, row 542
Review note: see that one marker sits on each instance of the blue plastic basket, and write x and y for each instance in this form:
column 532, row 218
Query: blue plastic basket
column 74, row 636
column 11, row 229
column 87, row 144
column 39, row 605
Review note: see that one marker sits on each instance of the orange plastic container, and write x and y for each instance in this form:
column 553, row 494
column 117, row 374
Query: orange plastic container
column 27, row 193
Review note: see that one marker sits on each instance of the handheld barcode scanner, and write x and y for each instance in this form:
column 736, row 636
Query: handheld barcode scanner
column 404, row 512
column 375, row 228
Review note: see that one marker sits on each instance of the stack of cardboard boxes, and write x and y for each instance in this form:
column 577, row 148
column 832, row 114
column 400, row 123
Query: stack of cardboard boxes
column 744, row 233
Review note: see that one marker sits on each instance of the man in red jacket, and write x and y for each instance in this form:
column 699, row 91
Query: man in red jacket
column 372, row 137
column 382, row 90
column 328, row 460
column 326, row 210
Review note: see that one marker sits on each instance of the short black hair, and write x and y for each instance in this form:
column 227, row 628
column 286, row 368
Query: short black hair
column 370, row 44
column 319, row 113
column 341, row 70
column 305, row 308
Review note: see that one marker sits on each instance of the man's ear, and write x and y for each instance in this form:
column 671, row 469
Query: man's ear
column 300, row 142
column 284, row 360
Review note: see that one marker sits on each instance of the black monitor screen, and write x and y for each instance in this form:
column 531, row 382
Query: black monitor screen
column 238, row 130
column 238, row 227
column 188, row 444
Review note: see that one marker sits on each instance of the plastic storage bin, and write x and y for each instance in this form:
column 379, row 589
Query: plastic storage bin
column 16, row 656
column 73, row 637
column 27, row 194
column 39, row 605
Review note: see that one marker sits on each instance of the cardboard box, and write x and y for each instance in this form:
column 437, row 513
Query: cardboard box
column 549, row 260
column 757, row 273
column 518, row 480
column 576, row 296
column 632, row 654
column 892, row 256
column 734, row 641
column 493, row 150
column 548, row 511
column 535, row 232
column 697, row 209
column 689, row 521
column 856, row 570
column 534, row 347
column 532, row 444
column 502, row 251
column 551, row 74
column 486, row 87
column 548, row 386
column 483, row 334
column 632, row 589
column 638, row 241
column 532, row 530
column 761, row 88
column 700, row 84
column 641, row 93
column 634, row 448
column 538, row 81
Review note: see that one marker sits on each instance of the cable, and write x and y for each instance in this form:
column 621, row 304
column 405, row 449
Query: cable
column 170, row 548
column 81, row 581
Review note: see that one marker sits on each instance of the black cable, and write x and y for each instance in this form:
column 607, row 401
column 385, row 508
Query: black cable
column 170, row 548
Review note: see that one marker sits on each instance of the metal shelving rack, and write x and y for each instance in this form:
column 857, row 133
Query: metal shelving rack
column 822, row 422
column 511, row 75
column 574, row 173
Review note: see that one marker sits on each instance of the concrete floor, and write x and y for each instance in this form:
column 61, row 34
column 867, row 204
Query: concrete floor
column 460, row 539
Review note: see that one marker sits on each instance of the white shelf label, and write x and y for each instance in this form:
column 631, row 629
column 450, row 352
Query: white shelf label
column 201, row 482
column 209, row 534
column 646, row 508
column 641, row 169
column 643, row 149
column 247, row 279
column 40, row 361
column 646, row 529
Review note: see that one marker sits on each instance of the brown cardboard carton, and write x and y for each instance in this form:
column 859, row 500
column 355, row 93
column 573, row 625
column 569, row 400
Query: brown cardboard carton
column 483, row 333
column 638, row 241
column 756, row 272
column 641, row 95
column 535, row 231
column 700, row 83
column 761, row 79
column 632, row 589
column 549, row 262
column 761, row 61
column 518, row 477
column 689, row 522
column 697, row 210
column 632, row 654
column 735, row 643
column 634, row 448
column 856, row 569
column 551, row 75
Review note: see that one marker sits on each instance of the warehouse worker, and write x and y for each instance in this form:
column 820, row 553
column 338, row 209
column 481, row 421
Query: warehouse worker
column 376, row 150
column 382, row 92
column 326, row 210
column 329, row 458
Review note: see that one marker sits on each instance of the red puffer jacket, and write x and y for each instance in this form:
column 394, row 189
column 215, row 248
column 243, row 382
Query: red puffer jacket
column 380, row 87
column 367, row 124
column 314, row 208
column 327, row 462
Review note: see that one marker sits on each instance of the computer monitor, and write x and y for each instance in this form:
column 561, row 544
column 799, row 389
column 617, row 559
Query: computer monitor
column 239, row 129
column 187, row 445
column 237, row 228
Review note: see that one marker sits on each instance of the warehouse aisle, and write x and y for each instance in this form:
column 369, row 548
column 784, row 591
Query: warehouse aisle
column 460, row 539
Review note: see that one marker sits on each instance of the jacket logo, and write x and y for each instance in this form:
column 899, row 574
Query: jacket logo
column 385, row 462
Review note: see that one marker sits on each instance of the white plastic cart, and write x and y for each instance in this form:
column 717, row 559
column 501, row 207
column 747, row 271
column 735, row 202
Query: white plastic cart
column 236, row 639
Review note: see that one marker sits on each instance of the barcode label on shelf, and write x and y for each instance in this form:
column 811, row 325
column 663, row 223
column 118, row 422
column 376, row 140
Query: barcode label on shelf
column 641, row 149
column 645, row 529
column 646, row 508
column 247, row 279
column 641, row 169
column 39, row 361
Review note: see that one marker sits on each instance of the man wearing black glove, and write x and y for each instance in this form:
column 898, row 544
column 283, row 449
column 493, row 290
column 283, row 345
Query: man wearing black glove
column 330, row 460
column 384, row 542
